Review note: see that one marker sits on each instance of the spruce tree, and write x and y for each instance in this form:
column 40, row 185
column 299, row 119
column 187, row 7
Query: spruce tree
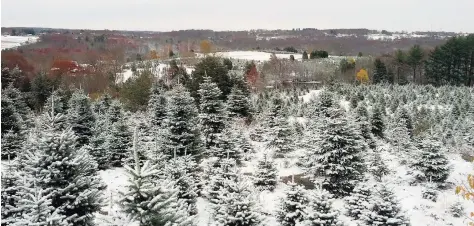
column 362, row 118
column 182, row 132
column 292, row 206
column 431, row 163
column 320, row 211
column 266, row 175
column 236, row 207
column 80, row 117
column 97, row 146
column 399, row 136
column 318, row 106
column 337, row 154
column 71, row 173
column 157, row 106
column 152, row 202
column 403, row 114
column 219, row 176
column 281, row 137
column 18, row 101
column 358, row 202
column 378, row 125
column 384, row 210
column 183, row 170
column 115, row 112
column 118, row 143
column 59, row 99
column 238, row 103
column 103, row 104
column 10, row 193
column 211, row 112
column 243, row 145
column 380, row 72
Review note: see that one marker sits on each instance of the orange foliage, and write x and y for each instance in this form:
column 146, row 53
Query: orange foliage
column 205, row 46
column 467, row 192
column 252, row 76
column 362, row 76
column 154, row 54
column 11, row 59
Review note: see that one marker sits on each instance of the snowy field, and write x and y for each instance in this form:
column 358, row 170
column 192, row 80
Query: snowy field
column 255, row 55
column 15, row 41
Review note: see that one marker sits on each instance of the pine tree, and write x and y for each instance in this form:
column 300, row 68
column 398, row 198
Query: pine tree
column 58, row 99
column 378, row 125
column 281, row 137
column 183, row 170
column 182, row 135
column 103, row 104
column 219, row 176
column 320, row 211
column 431, row 163
column 115, row 112
column 380, row 72
column 118, row 143
column 236, row 208
column 318, row 107
column 10, row 190
column 238, row 103
column 97, row 147
column 80, row 117
column 337, row 154
column 385, row 210
column 243, row 145
column 36, row 206
column 403, row 114
column 358, row 202
column 157, row 106
column 18, row 101
column 399, row 136
column 226, row 146
column 152, row 202
column 292, row 206
column 211, row 112
column 377, row 167
column 362, row 118
column 71, row 174
column 266, row 175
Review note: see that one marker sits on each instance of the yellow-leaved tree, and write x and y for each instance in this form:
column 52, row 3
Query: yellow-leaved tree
column 205, row 46
column 467, row 192
column 362, row 76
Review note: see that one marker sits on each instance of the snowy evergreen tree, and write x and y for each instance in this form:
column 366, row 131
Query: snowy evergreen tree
column 152, row 202
column 181, row 123
column 320, row 211
column 292, row 206
column 12, row 128
column 266, row 175
column 115, row 112
column 238, row 103
column 220, row 175
column 71, row 174
column 403, row 114
column 80, row 117
column 58, row 99
column 10, row 196
column 358, row 202
column 281, row 137
column 118, row 143
column 103, row 104
column 18, row 101
column 337, row 154
column 378, row 125
column 399, row 136
column 36, row 207
column 377, row 167
column 236, row 208
column 362, row 118
column 243, row 145
column 183, row 170
column 431, row 163
column 317, row 107
column 384, row 210
column 157, row 105
column 212, row 114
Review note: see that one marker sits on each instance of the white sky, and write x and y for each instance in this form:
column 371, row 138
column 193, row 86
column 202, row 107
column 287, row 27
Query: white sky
column 166, row 15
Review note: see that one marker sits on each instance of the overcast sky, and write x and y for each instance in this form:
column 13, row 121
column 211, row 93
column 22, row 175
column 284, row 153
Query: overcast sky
column 166, row 15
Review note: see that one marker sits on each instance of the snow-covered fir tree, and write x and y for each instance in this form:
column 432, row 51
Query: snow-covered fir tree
column 242, row 144
column 10, row 188
column 71, row 173
column 266, row 175
column 236, row 207
column 431, row 163
column 402, row 113
column 336, row 154
column 182, row 132
column 399, row 136
column 318, row 106
column 152, row 202
column 378, row 125
column 97, row 146
column 80, row 117
column 320, row 211
column 103, row 104
column 238, row 103
column 362, row 118
column 358, row 202
column 271, row 114
column 384, row 209
column 12, row 128
column 157, row 105
column 212, row 116
column 219, row 175
column 58, row 99
column 118, row 143
column 281, row 138
column 36, row 206
column 184, row 171
column 377, row 167
column 19, row 102
column 115, row 112
column 292, row 205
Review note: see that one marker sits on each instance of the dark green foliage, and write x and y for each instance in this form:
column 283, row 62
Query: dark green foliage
column 415, row 59
column 380, row 72
column 41, row 88
column 119, row 143
column 228, row 63
column 266, row 175
column 157, row 105
column 378, row 125
column 305, row 55
column 292, row 206
column 214, row 68
column 315, row 54
column 238, row 103
column 452, row 63
column 431, row 163
column 80, row 117
column 135, row 92
column 290, row 49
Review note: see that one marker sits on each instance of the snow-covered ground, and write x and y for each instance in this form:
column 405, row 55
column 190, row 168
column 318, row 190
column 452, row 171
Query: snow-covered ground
column 158, row 70
column 15, row 41
column 255, row 55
